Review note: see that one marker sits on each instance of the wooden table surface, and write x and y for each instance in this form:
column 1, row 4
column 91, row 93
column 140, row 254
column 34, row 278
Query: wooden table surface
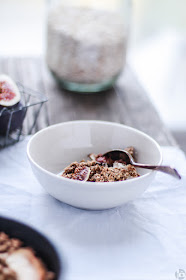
column 127, row 103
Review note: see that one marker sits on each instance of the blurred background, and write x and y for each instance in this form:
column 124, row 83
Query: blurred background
column 157, row 49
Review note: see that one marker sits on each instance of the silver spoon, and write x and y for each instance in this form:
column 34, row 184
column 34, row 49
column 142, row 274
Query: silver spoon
column 124, row 155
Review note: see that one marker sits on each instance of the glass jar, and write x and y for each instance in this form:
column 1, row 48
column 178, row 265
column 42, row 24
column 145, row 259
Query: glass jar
column 86, row 42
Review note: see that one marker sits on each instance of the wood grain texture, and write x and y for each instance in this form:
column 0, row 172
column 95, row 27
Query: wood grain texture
column 127, row 103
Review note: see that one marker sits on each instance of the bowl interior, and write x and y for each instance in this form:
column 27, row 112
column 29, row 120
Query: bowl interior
column 55, row 147
column 31, row 238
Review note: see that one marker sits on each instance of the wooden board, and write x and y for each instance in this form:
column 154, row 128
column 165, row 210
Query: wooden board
column 127, row 103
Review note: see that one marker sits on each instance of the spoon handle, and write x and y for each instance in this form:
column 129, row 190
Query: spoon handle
column 165, row 169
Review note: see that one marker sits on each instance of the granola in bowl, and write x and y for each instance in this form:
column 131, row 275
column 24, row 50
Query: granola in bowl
column 101, row 169
column 20, row 263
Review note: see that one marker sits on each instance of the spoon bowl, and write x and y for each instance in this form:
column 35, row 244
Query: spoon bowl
column 128, row 159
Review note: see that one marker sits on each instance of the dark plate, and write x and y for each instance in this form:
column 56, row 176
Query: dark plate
column 32, row 238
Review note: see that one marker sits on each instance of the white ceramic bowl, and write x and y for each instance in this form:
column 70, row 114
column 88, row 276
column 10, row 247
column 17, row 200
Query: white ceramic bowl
column 53, row 148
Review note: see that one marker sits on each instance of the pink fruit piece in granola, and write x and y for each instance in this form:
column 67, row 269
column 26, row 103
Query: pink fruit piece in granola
column 81, row 173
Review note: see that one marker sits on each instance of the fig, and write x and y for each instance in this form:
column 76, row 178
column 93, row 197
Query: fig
column 9, row 92
column 99, row 158
column 81, row 173
column 76, row 171
column 11, row 109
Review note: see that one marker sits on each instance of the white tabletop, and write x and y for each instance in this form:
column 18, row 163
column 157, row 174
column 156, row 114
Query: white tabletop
column 142, row 240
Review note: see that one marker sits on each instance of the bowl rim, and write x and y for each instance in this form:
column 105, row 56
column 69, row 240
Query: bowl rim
column 94, row 184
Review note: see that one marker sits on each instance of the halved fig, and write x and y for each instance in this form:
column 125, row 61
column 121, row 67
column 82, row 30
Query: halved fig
column 81, row 173
column 9, row 92
column 26, row 265
column 99, row 158
column 12, row 112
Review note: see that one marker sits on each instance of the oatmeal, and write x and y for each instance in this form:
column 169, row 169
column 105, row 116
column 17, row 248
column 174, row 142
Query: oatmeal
column 101, row 169
column 12, row 257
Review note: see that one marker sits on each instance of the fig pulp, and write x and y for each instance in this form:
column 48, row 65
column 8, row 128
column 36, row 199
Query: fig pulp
column 9, row 92
column 12, row 112
column 82, row 174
